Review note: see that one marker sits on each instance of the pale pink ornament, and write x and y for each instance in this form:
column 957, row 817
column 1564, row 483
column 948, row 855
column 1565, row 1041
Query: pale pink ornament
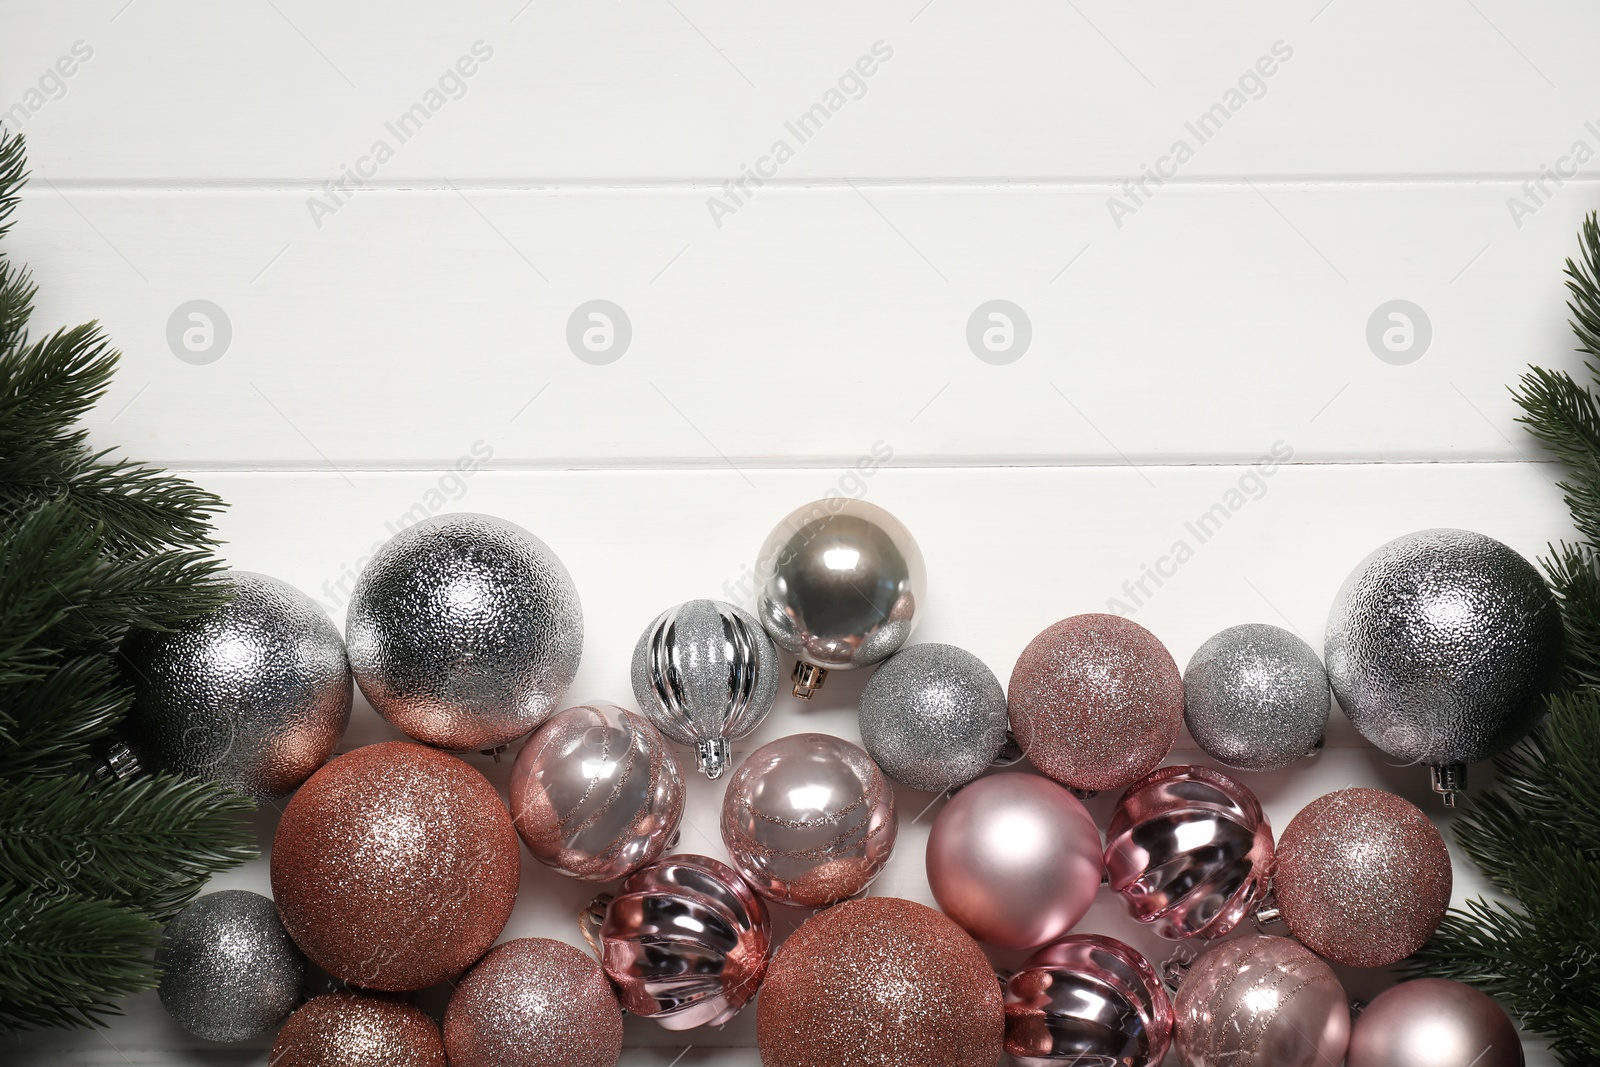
column 1260, row 1001
column 1433, row 1022
column 596, row 793
column 1190, row 850
column 1087, row 1000
column 1014, row 859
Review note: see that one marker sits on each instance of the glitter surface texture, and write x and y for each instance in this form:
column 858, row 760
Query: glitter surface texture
column 465, row 631
column 533, row 1002
column 809, row 819
column 395, row 866
column 229, row 972
column 1096, row 701
column 1363, row 877
column 1442, row 645
column 255, row 695
column 1256, row 697
column 346, row 1030
column 880, row 982
column 933, row 717
column 1260, row 1001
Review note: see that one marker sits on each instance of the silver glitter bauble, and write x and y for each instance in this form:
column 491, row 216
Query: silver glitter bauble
column 933, row 717
column 1256, row 697
column 228, row 970
column 842, row 582
column 255, row 695
column 464, row 631
column 1441, row 647
column 705, row 673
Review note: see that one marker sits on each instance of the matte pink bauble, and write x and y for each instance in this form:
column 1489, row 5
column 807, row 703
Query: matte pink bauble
column 1432, row 1022
column 1087, row 1000
column 1260, row 1001
column 1015, row 859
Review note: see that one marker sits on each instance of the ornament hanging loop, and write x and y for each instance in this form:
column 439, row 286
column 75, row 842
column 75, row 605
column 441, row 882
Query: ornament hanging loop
column 591, row 919
column 1448, row 781
column 1267, row 913
column 807, row 679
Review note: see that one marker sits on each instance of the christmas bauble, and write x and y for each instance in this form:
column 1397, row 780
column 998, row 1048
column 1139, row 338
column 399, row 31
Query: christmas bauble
column 809, row 820
column 933, row 717
column 533, row 1002
column 254, row 695
column 1431, row 1022
column 1190, row 850
column 705, row 673
column 1256, row 697
column 1260, row 1001
column 464, row 631
column 843, row 581
column 1363, row 877
column 1096, row 701
column 595, row 792
column 686, row 942
column 1441, row 647
column 228, row 970
column 350, row 1030
column 879, row 982
column 1015, row 859
column 1087, row 1000
column 395, row 866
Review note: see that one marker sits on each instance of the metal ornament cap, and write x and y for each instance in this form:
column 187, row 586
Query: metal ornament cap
column 228, row 970
column 1434, row 1022
column 1087, row 999
column 933, row 717
column 1256, row 697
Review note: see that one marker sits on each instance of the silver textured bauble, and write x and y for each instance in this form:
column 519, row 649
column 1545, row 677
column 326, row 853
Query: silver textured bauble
column 255, row 695
column 228, row 970
column 842, row 582
column 1256, row 697
column 933, row 717
column 464, row 631
column 705, row 673
column 1441, row 647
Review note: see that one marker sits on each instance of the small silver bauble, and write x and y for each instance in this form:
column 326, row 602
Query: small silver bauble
column 465, row 630
column 933, row 717
column 1441, row 647
column 228, row 970
column 1256, row 697
column 255, row 695
column 705, row 673
column 842, row 582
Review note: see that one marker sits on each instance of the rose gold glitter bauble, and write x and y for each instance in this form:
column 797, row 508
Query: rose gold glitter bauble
column 533, row 1002
column 880, row 982
column 1260, row 1001
column 1096, row 701
column 395, row 866
column 1363, row 877
column 346, row 1030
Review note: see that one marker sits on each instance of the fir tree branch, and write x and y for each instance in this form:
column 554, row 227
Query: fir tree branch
column 50, row 724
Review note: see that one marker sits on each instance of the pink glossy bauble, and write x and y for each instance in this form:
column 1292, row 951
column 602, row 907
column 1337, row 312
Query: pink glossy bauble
column 1190, row 850
column 1432, row 1022
column 596, row 793
column 1260, row 1001
column 1015, row 859
column 1087, row 1000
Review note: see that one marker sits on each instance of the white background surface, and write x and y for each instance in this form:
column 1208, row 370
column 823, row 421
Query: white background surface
column 826, row 315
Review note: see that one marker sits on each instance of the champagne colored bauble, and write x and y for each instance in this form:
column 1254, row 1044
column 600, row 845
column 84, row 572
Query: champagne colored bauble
column 880, row 982
column 465, row 631
column 1260, row 1001
column 1190, row 851
column 533, row 1002
column 596, row 793
column 228, row 970
column 1014, row 859
column 1432, row 1022
column 352, row 1030
column 1087, row 1000
column 1363, row 877
column 1256, row 697
column 705, row 673
column 809, row 820
column 1096, row 702
column 395, row 866
column 933, row 717
column 254, row 695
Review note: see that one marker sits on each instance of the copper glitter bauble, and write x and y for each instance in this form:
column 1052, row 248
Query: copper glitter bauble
column 533, row 1002
column 348, row 1030
column 1433, row 1022
column 1260, row 1001
column 880, row 982
column 1096, row 701
column 1363, row 877
column 395, row 866
column 1087, row 1000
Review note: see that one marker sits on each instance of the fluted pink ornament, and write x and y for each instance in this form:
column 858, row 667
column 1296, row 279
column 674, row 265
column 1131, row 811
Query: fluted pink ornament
column 686, row 942
column 1190, row 850
column 1015, row 859
column 1087, row 1000
column 596, row 793
column 1260, row 1001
